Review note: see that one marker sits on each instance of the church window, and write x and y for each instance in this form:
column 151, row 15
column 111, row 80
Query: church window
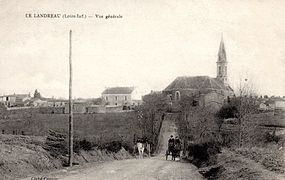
column 177, row 95
column 220, row 70
column 125, row 98
column 116, row 97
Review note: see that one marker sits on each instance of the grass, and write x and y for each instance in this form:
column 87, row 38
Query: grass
column 96, row 127
column 271, row 158
column 269, row 118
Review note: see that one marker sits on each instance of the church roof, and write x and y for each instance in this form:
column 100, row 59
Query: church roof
column 118, row 90
column 196, row 82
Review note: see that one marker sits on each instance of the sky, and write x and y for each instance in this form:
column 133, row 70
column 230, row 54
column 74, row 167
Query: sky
column 153, row 43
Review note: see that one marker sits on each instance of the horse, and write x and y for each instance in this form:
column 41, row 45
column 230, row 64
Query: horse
column 141, row 147
column 176, row 151
column 170, row 150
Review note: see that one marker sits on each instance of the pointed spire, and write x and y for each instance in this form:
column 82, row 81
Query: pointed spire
column 222, row 57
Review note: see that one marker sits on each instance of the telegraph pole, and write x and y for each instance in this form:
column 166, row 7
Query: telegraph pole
column 70, row 132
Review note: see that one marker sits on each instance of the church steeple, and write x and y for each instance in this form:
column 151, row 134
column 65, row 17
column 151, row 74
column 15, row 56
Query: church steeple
column 222, row 57
column 222, row 63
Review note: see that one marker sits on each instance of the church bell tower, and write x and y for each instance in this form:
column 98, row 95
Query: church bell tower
column 222, row 64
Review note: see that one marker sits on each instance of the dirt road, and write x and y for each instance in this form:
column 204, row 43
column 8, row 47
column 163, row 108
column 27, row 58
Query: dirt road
column 148, row 168
column 138, row 169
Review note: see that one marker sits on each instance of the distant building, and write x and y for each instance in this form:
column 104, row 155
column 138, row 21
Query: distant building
column 120, row 96
column 276, row 103
column 47, row 102
column 207, row 90
column 15, row 100
column 155, row 92
column 78, row 107
column 264, row 107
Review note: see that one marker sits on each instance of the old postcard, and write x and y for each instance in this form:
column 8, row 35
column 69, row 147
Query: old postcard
column 144, row 89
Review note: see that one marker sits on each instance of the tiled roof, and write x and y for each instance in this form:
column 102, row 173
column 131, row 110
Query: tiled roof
column 196, row 82
column 118, row 90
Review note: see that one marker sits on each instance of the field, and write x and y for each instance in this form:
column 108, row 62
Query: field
column 37, row 151
column 96, row 127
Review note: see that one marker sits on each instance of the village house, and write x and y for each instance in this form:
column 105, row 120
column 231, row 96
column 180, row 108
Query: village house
column 47, row 102
column 274, row 103
column 15, row 100
column 208, row 91
column 121, row 96
column 279, row 103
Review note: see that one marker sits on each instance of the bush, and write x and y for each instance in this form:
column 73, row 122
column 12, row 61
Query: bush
column 82, row 145
column 203, row 154
column 272, row 138
column 274, row 163
column 113, row 146
column 227, row 111
column 128, row 147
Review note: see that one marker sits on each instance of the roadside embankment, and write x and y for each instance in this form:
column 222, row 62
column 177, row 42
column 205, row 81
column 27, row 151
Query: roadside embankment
column 22, row 156
column 240, row 163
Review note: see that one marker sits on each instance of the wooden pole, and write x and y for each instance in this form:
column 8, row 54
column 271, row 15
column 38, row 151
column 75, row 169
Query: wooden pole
column 70, row 134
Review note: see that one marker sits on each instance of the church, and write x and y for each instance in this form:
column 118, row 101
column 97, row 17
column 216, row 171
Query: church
column 208, row 91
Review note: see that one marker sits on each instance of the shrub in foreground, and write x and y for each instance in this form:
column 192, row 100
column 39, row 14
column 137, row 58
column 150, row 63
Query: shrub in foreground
column 203, row 154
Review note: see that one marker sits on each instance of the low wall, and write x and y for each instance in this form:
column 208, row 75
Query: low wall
column 110, row 109
column 51, row 110
column 63, row 110
column 22, row 110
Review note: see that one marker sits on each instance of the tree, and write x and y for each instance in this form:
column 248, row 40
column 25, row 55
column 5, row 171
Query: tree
column 266, row 96
column 150, row 113
column 245, row 103
column 97, row 101
column 196, row 123
column 37, row 94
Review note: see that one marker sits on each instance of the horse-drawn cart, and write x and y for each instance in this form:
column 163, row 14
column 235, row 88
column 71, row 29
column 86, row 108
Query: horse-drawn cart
column 174, row 151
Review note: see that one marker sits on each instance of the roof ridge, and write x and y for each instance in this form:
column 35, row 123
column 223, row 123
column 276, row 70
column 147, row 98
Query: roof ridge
column 119, row 90
column 195, row 82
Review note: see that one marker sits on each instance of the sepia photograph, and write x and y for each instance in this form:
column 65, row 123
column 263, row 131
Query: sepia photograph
column 142, row 90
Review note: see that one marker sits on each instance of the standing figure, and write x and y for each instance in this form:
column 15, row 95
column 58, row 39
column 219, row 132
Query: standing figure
column 170, row 149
